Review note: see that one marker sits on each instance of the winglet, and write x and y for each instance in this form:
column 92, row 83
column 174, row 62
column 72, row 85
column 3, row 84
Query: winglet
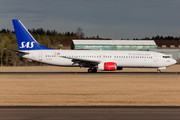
column 25, row 39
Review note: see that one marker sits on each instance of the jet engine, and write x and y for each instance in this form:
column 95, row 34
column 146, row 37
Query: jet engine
column 107, row 66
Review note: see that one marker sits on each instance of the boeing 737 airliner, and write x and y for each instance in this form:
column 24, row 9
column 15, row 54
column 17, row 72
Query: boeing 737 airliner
column 104, row 60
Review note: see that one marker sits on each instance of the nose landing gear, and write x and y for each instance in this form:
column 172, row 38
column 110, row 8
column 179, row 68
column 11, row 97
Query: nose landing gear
column 158, row 71
column 160, row 68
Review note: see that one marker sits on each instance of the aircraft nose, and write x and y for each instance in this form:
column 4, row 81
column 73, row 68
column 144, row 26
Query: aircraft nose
column 173, row 61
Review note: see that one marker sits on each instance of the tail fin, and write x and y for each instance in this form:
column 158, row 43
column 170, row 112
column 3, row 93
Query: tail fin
column 24, row 38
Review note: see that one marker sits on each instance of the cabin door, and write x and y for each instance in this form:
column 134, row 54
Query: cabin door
column 40, row 56
column 155, row 57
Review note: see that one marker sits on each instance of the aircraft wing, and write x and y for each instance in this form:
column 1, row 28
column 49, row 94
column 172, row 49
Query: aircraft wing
column 83, row 62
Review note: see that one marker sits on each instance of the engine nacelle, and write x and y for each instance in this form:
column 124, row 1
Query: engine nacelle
column 108, row 66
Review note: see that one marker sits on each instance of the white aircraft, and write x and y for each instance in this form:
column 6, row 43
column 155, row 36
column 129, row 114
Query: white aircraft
column 104, row 60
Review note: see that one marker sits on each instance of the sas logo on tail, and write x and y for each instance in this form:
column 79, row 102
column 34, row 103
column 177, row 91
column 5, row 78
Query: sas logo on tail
column 27, row 45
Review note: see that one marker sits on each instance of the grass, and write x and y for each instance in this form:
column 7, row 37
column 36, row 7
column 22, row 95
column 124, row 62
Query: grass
column 87, row 90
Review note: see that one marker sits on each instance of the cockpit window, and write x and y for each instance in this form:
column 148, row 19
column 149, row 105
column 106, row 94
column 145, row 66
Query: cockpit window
column 166, row 56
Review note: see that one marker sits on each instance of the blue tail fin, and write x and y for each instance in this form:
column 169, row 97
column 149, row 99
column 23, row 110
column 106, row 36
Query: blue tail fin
column 24, row 38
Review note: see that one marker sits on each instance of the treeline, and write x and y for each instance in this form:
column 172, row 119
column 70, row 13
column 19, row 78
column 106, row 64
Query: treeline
column 49, row 38
column 156, row 38
column 162, row 38
column 40, row 31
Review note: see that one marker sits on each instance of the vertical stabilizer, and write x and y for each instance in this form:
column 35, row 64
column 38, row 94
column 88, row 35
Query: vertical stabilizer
column 25, row 39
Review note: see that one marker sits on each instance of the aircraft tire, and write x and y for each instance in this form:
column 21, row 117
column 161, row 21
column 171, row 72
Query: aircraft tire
column 90, row 70
column 158, row 71
column 94, row 70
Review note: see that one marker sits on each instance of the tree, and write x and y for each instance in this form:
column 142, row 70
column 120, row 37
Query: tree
column 3, row 31
column 79, row 33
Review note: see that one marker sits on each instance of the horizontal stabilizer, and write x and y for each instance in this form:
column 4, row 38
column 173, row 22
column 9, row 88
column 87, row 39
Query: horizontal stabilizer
column 17, row 51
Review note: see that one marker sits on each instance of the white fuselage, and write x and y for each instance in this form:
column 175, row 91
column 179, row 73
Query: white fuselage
column 121, row 58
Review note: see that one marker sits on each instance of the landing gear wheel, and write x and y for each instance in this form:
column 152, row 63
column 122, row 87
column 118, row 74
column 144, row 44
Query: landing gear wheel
column 90, row 70
column 94, row 70
column 158, row 71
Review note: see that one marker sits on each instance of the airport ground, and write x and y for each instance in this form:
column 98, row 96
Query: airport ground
column 88, row 89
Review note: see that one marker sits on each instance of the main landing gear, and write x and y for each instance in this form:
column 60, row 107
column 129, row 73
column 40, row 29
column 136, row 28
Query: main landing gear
column 92, row 70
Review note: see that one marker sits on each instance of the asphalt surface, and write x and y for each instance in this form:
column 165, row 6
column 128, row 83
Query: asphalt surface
column 86, row 73
column 89, row 113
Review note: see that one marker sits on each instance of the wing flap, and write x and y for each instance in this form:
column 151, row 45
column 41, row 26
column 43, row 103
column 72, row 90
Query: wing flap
column 83, row 62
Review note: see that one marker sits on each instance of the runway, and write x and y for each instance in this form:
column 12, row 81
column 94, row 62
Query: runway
column 86, row 73
column 89, row 113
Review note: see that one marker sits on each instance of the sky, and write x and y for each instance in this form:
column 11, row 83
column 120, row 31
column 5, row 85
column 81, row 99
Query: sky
column 114, row 19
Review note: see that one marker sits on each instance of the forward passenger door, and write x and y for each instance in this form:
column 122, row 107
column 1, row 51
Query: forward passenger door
column 155, row 57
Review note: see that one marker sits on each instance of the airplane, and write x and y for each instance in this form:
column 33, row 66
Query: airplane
column 103, row 60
